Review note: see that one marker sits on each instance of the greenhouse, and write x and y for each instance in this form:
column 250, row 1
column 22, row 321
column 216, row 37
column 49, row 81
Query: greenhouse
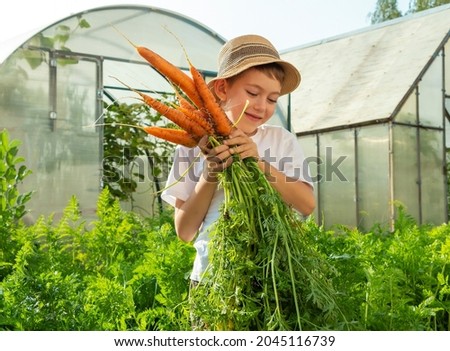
column 372, row 113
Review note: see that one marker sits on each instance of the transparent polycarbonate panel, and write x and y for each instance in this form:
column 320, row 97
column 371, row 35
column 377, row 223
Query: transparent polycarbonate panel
column 162, row 31
column 120, row 77
column 373, row 176
column 430, row 95
column 447, row 94
column 76, row 121
column 337, row 178
column 24, row 113
column 406, row 168
column 64, row 151
column 24, row 91
column 309, row 146
column 61, row 149
column 77, row 97
column 408, row 112
column 447, row 68
column 447, row 128
column 432, row 177
column 363, row 76
column 280, row 117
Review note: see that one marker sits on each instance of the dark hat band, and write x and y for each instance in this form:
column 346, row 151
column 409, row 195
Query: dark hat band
column 246, row 52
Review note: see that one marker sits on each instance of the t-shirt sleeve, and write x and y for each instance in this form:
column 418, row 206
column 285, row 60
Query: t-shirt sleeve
column 293, row 162
column 182, row 178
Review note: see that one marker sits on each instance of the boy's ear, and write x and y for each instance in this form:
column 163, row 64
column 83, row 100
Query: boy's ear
column 220, row 89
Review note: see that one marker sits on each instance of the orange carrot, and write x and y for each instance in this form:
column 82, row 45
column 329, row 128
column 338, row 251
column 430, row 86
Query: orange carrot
column 174, row 115
column 223, row 125
column 177, row 136
column 175, row 75
column 183, row 102
column 199, row 117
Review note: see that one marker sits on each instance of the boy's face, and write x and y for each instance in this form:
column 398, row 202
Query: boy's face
column 262, row 93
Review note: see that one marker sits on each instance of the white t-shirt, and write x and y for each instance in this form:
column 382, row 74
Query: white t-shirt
column 276, row 146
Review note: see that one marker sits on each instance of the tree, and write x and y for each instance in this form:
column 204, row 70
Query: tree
column 385, row 10
column 388, row 9
column 420, row 5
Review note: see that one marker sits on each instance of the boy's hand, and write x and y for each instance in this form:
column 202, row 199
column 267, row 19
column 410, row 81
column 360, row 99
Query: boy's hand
column 220, row 157
column 216, row 158
column 241, row 144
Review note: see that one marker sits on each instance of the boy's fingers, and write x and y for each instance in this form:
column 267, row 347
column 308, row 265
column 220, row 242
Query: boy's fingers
column 204, row 145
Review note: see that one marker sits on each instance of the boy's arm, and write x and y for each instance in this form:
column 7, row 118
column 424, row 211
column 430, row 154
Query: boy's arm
column 189, row 214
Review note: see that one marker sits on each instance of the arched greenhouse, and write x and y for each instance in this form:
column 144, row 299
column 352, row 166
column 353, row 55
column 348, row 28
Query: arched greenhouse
column 55, row 86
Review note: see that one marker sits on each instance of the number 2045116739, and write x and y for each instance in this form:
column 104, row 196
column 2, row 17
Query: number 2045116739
column 296, row 341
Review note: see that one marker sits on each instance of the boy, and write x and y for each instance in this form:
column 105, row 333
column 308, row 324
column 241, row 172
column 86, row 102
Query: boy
column 250, row 69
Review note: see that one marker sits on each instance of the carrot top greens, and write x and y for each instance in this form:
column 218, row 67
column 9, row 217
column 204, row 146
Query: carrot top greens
column 263, row 274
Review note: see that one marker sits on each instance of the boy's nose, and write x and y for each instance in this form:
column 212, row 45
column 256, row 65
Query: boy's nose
column 259, row 104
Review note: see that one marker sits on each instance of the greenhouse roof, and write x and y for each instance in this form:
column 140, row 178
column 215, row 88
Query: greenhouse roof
column 109, row 28
column 364, row 76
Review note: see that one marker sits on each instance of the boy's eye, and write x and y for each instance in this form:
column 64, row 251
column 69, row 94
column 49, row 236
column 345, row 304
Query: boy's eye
column 253, row 94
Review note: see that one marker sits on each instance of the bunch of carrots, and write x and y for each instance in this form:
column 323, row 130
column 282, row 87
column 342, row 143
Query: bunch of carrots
column 197, row 113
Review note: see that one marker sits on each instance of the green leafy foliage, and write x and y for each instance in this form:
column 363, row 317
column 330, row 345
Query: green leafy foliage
column 12, row 202
column 118, row 273
column 393, row 281
column 385, row 10
column 122, row 272
column 420, row 5
column 447, row 156
column 125, row 144
column 388, row 9
column 56, row 42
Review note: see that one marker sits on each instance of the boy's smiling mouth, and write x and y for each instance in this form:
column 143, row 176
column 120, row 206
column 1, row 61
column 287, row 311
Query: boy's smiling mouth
column 253, row 117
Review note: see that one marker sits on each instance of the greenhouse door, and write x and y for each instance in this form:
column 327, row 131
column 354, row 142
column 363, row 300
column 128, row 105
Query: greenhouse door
column 75, row 139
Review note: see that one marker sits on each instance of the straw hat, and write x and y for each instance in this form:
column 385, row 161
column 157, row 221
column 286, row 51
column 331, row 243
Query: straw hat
column 247, row 51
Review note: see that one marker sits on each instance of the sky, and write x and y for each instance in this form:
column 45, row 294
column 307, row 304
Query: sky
column 286, row 23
